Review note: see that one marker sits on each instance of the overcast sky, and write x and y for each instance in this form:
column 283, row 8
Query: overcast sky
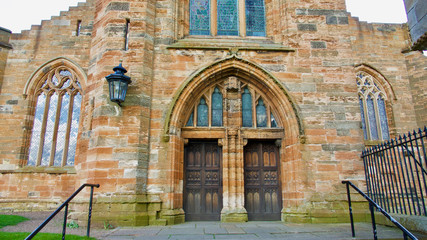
column 21, row 14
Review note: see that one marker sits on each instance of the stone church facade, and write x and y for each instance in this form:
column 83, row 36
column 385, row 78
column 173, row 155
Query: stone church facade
column 238, row 109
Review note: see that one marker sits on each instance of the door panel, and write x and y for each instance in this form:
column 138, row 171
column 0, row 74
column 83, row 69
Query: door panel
column 262, row 182
column 203, row 181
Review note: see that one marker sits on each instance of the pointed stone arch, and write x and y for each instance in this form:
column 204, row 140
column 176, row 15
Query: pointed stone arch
column 379, row 77
column 240, row 68
column 41, row 71
column 278, row 96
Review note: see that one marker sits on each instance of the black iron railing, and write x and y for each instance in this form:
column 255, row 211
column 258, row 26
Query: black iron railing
column 373, row 204
column 396, row 173
column 65, row 204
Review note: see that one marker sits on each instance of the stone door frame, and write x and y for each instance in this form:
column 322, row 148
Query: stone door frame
column 234, row 138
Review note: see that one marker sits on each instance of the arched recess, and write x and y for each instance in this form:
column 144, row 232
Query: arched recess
column 280, row 100
column 385, row 86
column 33, row 86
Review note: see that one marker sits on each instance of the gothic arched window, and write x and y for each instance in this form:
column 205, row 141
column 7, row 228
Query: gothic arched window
column 58, row 100
column 247, row 108
column 255, row 111
column 227, row 17
column 202, row 113
column 208, row 110
column 216, row 108
column 372, row 108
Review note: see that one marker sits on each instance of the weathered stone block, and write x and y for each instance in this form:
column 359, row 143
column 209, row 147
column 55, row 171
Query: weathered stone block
column 307, row 27
column 318, row 44
column 117, row 6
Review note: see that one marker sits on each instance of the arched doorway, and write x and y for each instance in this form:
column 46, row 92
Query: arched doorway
column 235, row 105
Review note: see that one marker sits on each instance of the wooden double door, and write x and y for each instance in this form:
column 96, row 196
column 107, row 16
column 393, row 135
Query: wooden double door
column 203, row 181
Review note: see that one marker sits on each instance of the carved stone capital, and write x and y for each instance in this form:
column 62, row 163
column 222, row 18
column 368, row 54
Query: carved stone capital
column 233, row 132
column 278, row 143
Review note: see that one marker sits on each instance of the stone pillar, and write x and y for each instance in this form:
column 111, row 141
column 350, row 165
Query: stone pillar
column 233, row 179
column 118, row 153
column 4, row 50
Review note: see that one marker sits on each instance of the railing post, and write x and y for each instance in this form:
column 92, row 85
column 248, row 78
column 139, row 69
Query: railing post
column 350, row 210
column 64, row 226
column 65, row 204
column 90, row 211
column 374, row 226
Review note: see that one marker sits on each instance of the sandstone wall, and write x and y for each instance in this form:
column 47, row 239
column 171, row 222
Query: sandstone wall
column 135, row 152
column 39, row 188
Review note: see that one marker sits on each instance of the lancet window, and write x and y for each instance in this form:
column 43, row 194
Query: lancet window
column 372, row 101
column 208, row 111
column 227, row 17
column 256, row 112
column 58, row 100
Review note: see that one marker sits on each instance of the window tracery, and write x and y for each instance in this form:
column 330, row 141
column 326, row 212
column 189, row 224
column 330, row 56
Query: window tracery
column 372, row 108
column 58, row 100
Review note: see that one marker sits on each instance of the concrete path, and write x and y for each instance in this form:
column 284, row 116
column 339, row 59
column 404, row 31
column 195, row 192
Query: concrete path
column 213, row 230
column 251, row 231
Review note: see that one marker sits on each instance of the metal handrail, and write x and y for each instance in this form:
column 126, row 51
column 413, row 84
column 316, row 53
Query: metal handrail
column 373, row 204
column 65, row 204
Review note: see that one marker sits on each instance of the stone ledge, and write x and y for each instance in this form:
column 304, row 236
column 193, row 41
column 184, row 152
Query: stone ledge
column 412, row 223
column 48, row 170
column 230, row 44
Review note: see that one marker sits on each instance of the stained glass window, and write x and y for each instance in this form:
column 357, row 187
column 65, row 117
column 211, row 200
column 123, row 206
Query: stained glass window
column 228, row 17
column 255, row 18
column 252, row 109
column 247, row 108
column 200, row 17
column 202, row 113
column 54, row 135
column 216, row 108
column 261, row 114
column 372, row 108
column 190, row 121
column 273, row 121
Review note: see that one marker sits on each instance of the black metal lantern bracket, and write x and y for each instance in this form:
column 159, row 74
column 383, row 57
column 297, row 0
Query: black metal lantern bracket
column 118, row 84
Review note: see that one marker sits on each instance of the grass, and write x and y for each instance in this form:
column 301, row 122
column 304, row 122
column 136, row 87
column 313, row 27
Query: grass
column 39, row 236
column 10, row 220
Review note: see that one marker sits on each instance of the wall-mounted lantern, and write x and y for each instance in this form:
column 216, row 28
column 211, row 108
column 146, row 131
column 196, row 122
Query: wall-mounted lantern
column 118, row 84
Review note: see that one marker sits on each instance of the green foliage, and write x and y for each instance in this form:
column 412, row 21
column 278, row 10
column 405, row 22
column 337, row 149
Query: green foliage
column 107, row 225
column 10, row 220
column 72, row 224
column 40, row 236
